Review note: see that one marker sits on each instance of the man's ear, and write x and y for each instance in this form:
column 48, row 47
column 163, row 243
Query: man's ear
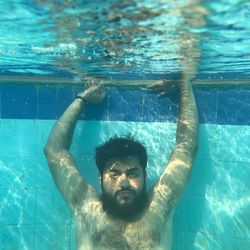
column 100, row 178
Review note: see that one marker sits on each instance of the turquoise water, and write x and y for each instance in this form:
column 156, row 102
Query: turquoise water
column 124, row 41
column 213, row 213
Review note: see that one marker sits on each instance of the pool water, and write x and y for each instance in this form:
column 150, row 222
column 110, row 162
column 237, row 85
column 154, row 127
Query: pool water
column 214, row 210
column 50, row 49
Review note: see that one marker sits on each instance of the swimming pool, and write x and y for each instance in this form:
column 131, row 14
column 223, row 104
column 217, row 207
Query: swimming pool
column 214, row 212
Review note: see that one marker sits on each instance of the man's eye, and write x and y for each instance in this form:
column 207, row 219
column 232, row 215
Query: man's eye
column 133, row 175
column 114, row 174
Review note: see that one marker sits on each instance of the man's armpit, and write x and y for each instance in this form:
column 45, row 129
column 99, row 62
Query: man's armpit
column 163, row 201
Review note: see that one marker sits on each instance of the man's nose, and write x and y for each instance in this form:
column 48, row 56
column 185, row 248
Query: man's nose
column 124, row 182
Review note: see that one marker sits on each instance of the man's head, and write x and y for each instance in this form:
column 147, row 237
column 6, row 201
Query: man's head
column 122, row 166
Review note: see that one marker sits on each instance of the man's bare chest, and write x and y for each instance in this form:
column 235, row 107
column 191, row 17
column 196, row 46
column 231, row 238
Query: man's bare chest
column 125, row 235
column 99, row 231
column 102, row 233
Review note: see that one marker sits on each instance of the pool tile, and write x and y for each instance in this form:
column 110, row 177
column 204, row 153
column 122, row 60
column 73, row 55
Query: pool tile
column 49, row 236
column 189, row 240
column 88, row 135
column 18, row 102
column 125, row 105
column 88, row 170
column 18, row 171
column 0, row 102
column 123, row 129
column 17, row 206
column 43, row 128
column 207, row 105
column 231, row 179
column 207, row 142
column 18, row 137
column 159, row 138
column 231, row 217
column 201, row 181
column 233, row 143
column 51, row 208
column 164, row 109
column 194, row 213
column 231, row 243
column 234, row 106
column 18, row 237
column 53, row 101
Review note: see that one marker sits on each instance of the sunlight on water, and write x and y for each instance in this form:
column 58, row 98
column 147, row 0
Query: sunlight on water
column 129, row 39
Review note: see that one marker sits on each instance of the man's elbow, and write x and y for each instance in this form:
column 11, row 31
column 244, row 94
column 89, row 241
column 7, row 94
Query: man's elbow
column 48, row 151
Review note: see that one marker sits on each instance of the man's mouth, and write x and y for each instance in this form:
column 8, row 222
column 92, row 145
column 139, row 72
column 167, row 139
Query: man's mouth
column 125, row 192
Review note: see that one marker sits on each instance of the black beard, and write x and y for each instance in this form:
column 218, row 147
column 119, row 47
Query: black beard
column 128, row 212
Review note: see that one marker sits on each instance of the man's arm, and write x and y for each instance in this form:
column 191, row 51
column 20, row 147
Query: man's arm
column 169, row 188
column 62, row 165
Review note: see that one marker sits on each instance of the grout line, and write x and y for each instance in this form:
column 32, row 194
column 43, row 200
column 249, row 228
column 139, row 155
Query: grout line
column 64, row 81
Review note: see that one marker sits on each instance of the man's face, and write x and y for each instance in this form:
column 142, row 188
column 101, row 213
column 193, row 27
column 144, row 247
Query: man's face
column 123, row 182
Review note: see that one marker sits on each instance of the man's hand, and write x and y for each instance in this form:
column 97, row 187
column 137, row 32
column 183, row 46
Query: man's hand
column 94, row 94
column 164, row 87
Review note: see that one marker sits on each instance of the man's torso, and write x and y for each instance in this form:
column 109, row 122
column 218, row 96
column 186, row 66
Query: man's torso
column 96, row 230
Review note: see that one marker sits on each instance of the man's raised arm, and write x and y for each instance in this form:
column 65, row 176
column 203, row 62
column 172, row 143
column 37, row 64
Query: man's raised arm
column 169, row 188
column 63, row 167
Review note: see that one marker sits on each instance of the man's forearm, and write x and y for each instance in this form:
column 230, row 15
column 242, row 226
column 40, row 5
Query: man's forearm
column 187, row 129
column 61, row 135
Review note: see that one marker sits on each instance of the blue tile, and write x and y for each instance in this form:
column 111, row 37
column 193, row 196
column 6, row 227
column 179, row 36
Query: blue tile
column 230, row 242
column 234, row 106
column 53, row 101
column 231, row 179
column 207, row 105
column 51, row 208
column 18, row 137
column 18, row 171
column 231, row 219
column 0, row 101
column 194, row 213
column 125, row 105
column 17, row 206
column 233, row 143
column 201, row 179
column 159, row 138
column 207, row 142
column 88, row 135
column 95, row 112
column 89, row 170
column 18, row 102
column 50, row 236
column 164, row 109
column 17, row 237
column 189, row 240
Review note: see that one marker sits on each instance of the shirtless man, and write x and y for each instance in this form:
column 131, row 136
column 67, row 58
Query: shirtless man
column 124, row 216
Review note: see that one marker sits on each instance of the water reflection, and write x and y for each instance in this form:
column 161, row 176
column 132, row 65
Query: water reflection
column 128, row 37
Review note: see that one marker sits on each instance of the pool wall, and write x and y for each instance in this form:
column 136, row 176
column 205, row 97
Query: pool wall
column 214, row 212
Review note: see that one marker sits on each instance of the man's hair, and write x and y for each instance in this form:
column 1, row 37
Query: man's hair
column 120, row 148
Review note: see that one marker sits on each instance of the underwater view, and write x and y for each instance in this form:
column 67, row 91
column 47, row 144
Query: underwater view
column 124, row 124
